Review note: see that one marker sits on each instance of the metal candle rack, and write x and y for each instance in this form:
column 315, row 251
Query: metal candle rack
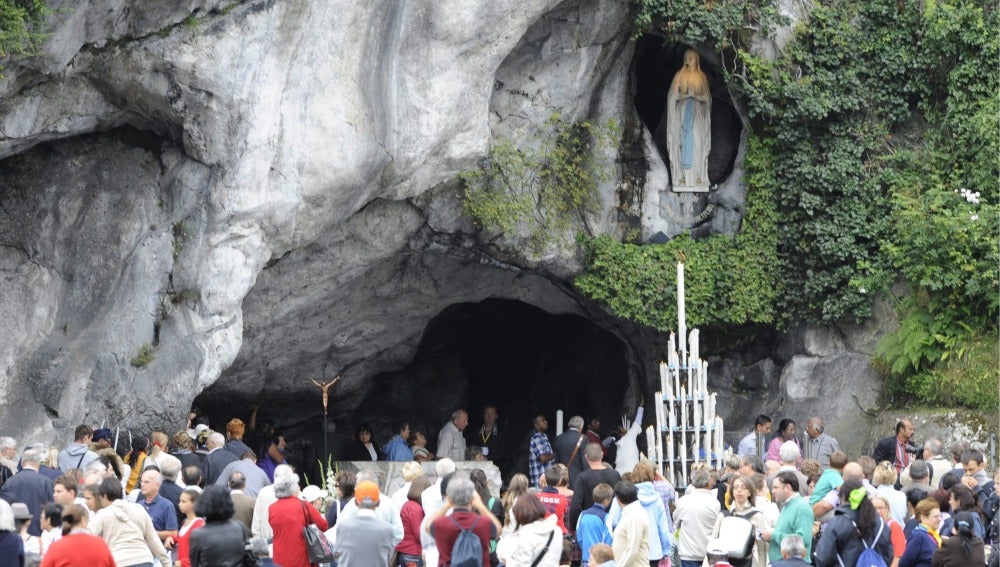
column 687, row 429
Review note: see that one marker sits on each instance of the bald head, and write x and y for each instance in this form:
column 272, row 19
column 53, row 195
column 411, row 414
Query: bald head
column 854, row 471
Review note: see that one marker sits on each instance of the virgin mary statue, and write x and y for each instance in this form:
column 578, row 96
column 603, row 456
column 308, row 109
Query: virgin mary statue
column 689, row 126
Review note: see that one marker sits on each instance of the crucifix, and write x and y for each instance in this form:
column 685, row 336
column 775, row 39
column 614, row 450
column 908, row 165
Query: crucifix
column 326, row 391
column 326, row 402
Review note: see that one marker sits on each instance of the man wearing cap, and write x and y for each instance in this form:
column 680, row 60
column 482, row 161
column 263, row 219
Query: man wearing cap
column 101, row 439
column 30, row 487
column 364, row 539
column 78, row 455
column 717, row 555
column 385, row 508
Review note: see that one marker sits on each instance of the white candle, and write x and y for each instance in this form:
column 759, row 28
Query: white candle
column 718, row 433
column 681, row 317
column 677, row 378
column 559, row 423
column 650, row 444
column 684, row 466
column 663, row 378
column 704, row 375
column 694, row 347
column 684, row 410
column 672, row 348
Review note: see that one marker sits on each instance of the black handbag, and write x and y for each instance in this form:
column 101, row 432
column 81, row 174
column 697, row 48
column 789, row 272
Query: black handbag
column 317, row 545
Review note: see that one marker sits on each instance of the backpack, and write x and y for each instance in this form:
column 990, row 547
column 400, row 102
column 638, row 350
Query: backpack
column 738, row 535
column 869, row 557
column 467, row 551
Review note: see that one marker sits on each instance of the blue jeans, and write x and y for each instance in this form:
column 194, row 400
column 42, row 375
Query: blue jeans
column 689, row 563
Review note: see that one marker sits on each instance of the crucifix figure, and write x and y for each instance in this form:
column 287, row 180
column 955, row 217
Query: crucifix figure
column 326, row 391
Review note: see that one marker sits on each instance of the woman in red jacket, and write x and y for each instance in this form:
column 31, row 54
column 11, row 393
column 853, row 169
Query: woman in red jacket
column 77, row 547
column 412, row 515
column 288, row 517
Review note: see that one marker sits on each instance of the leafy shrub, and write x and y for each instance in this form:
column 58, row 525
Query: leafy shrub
column 20, row 25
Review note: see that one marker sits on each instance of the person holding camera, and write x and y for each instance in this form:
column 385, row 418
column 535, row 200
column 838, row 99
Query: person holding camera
column 898, row 450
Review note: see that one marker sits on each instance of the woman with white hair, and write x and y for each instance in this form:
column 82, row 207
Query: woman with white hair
column 288, row 517
column 11, row 546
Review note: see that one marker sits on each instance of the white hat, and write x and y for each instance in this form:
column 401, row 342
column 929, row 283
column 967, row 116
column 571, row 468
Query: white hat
column 193, row 433
column 312, row 493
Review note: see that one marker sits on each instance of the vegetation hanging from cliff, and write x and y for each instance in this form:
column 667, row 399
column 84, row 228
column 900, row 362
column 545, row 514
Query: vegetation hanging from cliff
column 883, row 121
column 20, row 26
column 541, row 188
column 732, row 281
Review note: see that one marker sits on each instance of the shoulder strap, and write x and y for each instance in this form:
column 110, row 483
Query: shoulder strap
column 545, row 548
column 575, row 449
column 493, row 500
column 459, row 526
column 306, row 513
column 81, row 457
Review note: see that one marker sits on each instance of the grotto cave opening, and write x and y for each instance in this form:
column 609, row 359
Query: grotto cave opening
column 503, row 352
column 654, row 65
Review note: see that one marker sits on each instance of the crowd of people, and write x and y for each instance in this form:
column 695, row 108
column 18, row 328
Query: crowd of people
column 206, row 498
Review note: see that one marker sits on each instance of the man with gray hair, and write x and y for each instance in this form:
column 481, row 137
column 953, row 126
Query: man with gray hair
column 217, row 458
column 818, row 445
column 160, row 510
column 29, row 487
column 468, row 512
column 694, row 517
column 793, row 552
column 451, row 443
column 917, row 475
column 790, row 455
column 936, row 461
column 8, row 454
column 569, row 447
column 364, row 539
column 386, row 510
column 170, row 468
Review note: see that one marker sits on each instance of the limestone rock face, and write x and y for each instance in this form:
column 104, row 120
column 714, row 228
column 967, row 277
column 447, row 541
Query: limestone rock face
column 273, row 194
column 227, row 199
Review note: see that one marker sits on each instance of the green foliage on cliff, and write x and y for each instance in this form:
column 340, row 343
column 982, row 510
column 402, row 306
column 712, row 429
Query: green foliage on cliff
column 20, row 25
column 541, row 189
column 882, row 117
column 729, row 281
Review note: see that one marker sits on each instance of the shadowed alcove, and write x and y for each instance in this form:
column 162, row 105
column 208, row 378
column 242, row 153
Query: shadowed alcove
column 503, row 352
column 507, row 353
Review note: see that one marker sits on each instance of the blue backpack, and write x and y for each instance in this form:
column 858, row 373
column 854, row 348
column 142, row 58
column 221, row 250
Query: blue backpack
column 869, row 557
column 467, row 551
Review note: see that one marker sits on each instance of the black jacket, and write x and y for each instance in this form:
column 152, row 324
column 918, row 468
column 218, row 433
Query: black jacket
column 840, row 537
column 34, row 490
column 886, row 450
column 218, row 544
